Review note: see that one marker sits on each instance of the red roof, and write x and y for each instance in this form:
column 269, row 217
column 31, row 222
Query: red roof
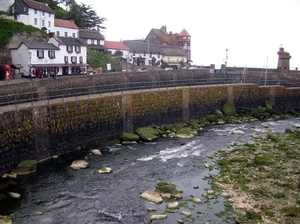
column 184, row 33
column 115, row 45
column 65, row 23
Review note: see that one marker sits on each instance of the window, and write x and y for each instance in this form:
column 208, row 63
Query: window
column 49, row 14
column 40, row 53
column 43, row 13
column 81, row 59
column 66, row 34
column 73, row 35
column 134, row 53
column 51, row 54
column 35, row 11
column 57, row 33
column 69, row 48
column 158, row 55
column 144, row 53
column 74, row 59
column 43, row 22
column 151, row 54
column 49, row 24
column 35, row 21
column 77, row 49
column 66, row 59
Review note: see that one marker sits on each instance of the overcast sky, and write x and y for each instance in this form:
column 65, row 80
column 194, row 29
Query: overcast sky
column 251, row 30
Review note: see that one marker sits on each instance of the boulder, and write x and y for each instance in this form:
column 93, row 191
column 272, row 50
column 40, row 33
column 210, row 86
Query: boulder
column 14, row 195
column 26, row 167
column 105, row 170
column 147, row 133
column 172, row 205
column 152, row 196
column 238, row 132
column 79, row 164
column 96, row 152
column 125, row 136
column 184, row 133
column 228, row 109
column 158, row 217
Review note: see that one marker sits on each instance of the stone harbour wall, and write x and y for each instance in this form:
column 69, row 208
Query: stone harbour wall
column 43, row 131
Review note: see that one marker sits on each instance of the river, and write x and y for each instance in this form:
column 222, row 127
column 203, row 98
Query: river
column 58, row 194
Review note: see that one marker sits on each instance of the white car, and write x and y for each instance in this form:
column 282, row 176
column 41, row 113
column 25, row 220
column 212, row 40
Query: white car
column 169, row 69
column 193, row 68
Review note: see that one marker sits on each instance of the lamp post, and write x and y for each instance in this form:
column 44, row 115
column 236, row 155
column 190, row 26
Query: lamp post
column 226, row 64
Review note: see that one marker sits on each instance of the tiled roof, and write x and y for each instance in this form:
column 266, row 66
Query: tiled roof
column 40, row 45
column 173, row 51
column 70, row 41
column 38, row 5
column 142, row 47
column 115, row 45
column 162, row 37
column 90, row 34
column 65, row 23
column 96, row 47
column 184, row 33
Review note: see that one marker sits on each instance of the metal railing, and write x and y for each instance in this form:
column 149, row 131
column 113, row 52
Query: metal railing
column 18, row 100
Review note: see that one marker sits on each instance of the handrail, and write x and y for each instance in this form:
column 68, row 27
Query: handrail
column 62, row 94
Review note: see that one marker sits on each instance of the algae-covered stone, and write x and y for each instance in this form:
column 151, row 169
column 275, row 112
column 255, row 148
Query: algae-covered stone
column 105, row 170
column 219, row 113
column 212, row 117
column 26, row 167
column 228, row 109
column 125, row 136
column 152, row 196
column 147, row 133
column 268, row 106
column 184, row 133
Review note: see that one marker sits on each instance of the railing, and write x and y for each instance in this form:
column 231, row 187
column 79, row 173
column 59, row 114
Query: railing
column 15, row 101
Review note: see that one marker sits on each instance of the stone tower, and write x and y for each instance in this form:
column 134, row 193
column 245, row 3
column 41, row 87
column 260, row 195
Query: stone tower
column 283, row 60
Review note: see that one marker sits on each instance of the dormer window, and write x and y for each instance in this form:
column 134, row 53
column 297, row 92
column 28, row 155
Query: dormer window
column 69, row 48
column 43, row 13
column 40, row 53
column 35, row 11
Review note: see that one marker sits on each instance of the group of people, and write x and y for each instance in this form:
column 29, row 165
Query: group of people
column 42, row 73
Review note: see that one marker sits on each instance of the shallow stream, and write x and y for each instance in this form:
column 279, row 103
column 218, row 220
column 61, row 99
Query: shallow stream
column 58, row 194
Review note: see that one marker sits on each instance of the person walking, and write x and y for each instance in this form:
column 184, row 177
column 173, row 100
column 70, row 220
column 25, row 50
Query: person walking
column 7, row 75
column 29, row 75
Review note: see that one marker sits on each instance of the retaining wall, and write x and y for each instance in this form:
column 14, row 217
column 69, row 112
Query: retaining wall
column 43, row 131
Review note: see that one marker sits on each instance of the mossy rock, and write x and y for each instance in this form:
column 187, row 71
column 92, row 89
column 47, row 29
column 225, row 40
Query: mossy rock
column 262, row 110
column 26, row 167
column 184, row 133
column 125, row 136
column 175, row 127
column 218, row 113
column 212, row 117
column 164, row 187
column 265, row 159
column 228, row 109
column 147, row 133
column 268, row 106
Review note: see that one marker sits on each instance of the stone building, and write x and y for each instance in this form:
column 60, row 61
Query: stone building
column 283, row 60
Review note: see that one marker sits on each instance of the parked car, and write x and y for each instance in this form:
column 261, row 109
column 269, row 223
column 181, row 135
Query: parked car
column 193, row 68
column 169, row 69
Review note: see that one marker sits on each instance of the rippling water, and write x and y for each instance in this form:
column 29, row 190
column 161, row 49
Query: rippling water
column 64, row 195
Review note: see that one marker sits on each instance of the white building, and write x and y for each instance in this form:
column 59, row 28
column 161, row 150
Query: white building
column 33, row 13
column 113, row 46
column 72, row 57
column 31, row 54
column 65, row 28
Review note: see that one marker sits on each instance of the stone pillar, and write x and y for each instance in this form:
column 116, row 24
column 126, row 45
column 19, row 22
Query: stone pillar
column 186, row 103
column 127, row 113
column 230, row 97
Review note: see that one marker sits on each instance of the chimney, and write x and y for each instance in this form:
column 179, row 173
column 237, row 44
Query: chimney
column 51, row 35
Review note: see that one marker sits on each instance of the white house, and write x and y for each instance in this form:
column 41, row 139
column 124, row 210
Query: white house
column 113, row 46
column 33, row 13
column 72, row 57
column 34, row 56
column 65, row 28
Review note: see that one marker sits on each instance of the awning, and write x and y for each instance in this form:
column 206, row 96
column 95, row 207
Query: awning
column 16, row 66
column 59, row 65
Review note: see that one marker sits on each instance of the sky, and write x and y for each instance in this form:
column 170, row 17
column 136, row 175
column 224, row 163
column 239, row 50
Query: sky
column 251, row 30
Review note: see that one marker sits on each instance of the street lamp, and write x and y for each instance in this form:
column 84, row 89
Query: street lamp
column 226, row 64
